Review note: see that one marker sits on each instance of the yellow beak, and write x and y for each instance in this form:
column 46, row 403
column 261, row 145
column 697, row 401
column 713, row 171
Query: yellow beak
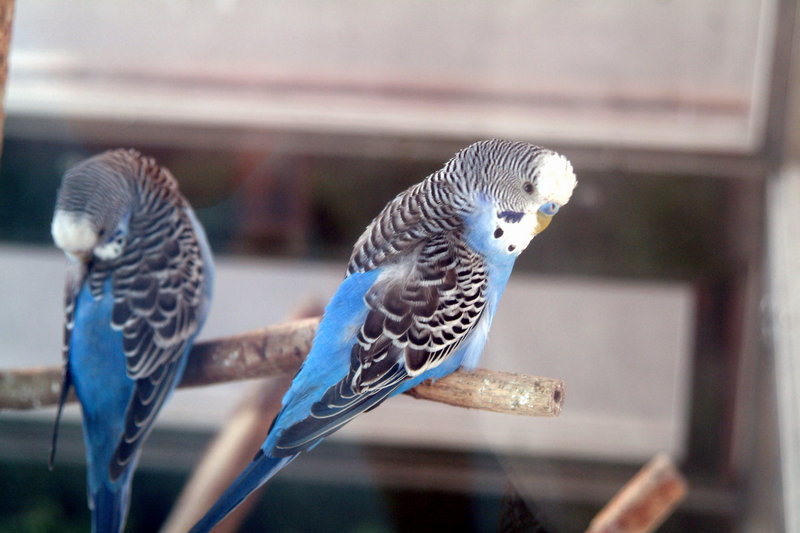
column 542, row 221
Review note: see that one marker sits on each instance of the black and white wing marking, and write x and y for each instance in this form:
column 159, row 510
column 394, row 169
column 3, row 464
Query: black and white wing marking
column 421, row 308
column 417, row 319
column 158, row 286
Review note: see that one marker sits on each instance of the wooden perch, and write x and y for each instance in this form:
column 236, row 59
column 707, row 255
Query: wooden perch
column 644, row 502
column 280, row 349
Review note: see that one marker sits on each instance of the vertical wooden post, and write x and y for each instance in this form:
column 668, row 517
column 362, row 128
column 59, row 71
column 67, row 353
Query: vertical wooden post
column 783, row 298
column 6, row 16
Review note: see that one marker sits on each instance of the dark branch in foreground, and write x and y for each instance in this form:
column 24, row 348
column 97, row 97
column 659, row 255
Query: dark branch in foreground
column 281, row 349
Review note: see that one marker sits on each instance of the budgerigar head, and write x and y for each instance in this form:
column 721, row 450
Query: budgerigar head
column 93, row 206
column 526, row 183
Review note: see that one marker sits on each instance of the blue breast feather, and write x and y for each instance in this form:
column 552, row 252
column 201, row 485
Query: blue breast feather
column 97, row 366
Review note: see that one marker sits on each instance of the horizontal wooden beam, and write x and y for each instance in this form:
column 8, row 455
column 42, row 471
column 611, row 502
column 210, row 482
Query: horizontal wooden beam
column 280, row 349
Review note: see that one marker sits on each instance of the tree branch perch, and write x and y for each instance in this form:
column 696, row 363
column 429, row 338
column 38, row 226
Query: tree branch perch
column 280, row 349
column 645, row 501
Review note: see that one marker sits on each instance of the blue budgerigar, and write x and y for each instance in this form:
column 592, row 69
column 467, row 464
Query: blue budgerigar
column 138, row 291
column 422, row 286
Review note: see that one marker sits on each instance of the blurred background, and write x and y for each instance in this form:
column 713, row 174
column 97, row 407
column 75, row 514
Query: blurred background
column 289, row 124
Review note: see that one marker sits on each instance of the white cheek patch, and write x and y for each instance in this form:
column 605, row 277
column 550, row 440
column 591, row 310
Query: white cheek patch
column 110, row 250
column 513, row 237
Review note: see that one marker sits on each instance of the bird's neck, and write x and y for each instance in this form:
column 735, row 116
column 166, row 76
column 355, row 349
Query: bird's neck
column 498, row 240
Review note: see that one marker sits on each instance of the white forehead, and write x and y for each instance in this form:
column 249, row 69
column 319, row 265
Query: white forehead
column 555, row 180
column 73, row 232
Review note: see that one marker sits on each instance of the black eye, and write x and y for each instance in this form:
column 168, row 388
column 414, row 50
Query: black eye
column 528, row 187
column 101, row 233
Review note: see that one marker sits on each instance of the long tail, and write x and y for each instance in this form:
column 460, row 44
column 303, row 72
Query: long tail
column 109, row 508
column 256, row 474
column 66, row 383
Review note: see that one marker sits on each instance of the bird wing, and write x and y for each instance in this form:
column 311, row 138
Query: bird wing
column 430, row 294
column 417, row 319
column 157, row 284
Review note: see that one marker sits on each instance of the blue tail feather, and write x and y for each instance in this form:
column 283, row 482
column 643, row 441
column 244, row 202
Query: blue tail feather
column 257, row 473
column 109, row 507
